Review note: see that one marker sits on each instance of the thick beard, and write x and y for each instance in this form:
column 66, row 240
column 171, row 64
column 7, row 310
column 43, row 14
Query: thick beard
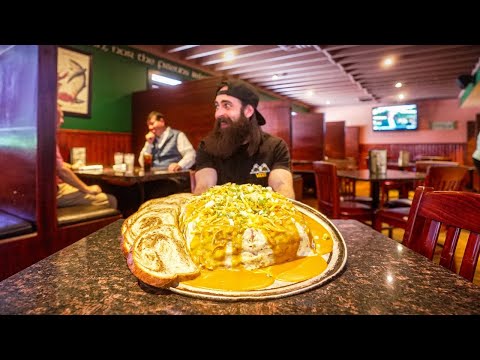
column 223, row 143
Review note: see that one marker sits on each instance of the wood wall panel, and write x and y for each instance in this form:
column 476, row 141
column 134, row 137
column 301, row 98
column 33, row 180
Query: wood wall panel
column 308, row 136
column 278, row 118
column 454, row 151
column 352, row 143
column 100, row 145
column 335, row 139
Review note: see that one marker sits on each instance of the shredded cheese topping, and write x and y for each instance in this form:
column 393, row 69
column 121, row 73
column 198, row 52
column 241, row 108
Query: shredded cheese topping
column 247, row 226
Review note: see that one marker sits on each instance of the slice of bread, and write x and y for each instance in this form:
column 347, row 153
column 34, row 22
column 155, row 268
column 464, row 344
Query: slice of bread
column 159, row 257
column 143, row 221
column 176, row 199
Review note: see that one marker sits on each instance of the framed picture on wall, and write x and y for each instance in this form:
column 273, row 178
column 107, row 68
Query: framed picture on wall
column 74, row 73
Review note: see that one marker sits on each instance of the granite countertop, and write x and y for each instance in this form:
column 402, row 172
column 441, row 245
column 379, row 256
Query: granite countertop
column 380, row 277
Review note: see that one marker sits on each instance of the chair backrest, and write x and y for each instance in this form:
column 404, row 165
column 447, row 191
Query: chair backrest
column 423, row 165
column 347, row 189
column 433, row 157
column 327, row 186
column 446, row 178
column 455, row 210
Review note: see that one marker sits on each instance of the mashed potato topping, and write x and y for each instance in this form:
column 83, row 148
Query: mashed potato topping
column 244, row 226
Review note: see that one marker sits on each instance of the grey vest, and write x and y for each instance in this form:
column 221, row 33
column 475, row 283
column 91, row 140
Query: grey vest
column 168, row 153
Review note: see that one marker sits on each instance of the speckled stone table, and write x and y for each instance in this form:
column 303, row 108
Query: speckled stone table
column 380, row 277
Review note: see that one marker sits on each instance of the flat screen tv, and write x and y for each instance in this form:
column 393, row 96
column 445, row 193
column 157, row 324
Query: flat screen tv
column 395, row 117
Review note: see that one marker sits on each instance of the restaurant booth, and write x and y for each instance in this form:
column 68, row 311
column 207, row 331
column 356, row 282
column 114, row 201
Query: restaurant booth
column 31, row 226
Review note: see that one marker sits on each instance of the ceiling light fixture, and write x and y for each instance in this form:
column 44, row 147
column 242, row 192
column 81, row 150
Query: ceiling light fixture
column 388, row 62
column 165, row 80
column 228, row 56
column 398, row 85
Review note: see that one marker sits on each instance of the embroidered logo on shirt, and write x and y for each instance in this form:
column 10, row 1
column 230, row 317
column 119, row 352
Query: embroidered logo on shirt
column 260, row 171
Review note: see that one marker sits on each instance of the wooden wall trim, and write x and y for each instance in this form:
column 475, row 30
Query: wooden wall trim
column 101, row 145
column 455, row 151
column 46, row 190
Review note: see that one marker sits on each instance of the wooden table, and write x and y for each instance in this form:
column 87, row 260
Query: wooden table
column 135, row 179
column 381, row 276
column 393, row 165
column 377, row 179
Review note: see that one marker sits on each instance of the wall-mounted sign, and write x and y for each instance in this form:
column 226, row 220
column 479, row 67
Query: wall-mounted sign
column 443, row 125
column 152, row 61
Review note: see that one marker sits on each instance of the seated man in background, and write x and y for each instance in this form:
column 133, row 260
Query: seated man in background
column 71, row 190
column 171, row 150
column 237, row 150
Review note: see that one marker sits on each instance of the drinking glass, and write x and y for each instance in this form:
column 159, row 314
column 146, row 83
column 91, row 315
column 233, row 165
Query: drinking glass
column 129, row 159
column 118, row 158
column 147, row 161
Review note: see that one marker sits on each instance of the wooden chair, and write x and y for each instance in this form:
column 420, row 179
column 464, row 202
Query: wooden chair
column 423, row 165
column 328, row 195
column 433, row 157
column 441, row 178
column 347, row 187
column 420, row 166
column 455, row 210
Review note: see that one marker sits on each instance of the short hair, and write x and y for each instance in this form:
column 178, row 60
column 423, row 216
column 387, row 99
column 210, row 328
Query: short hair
column 158, row 115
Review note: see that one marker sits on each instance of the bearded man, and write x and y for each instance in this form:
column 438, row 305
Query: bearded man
column 237, row 150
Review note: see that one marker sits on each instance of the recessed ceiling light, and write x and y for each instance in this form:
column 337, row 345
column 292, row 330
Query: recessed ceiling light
column 228, row 56
column 401, row 96
column 293, row 113
column 327, row 102
column 398, row 85
column 309, row 93
column 388, row 61
column 274, row 77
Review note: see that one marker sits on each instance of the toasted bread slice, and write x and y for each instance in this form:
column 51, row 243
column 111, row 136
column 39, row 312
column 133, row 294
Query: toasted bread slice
column 175, row 199
column 160, row 257
column 179, row 198
column 162, row 207
column 143, row 221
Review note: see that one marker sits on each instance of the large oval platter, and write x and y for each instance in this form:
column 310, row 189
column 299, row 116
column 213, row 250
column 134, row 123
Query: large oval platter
column 336, row 261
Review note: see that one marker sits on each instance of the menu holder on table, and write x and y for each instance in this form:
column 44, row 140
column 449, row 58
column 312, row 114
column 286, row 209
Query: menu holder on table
column 78, row 156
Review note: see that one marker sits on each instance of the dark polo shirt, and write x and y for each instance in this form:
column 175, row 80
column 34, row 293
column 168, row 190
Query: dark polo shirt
column 241, row 169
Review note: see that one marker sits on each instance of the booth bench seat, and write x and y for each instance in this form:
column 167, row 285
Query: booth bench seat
column 76, row 222
column 11, row 226
column 77, row 214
